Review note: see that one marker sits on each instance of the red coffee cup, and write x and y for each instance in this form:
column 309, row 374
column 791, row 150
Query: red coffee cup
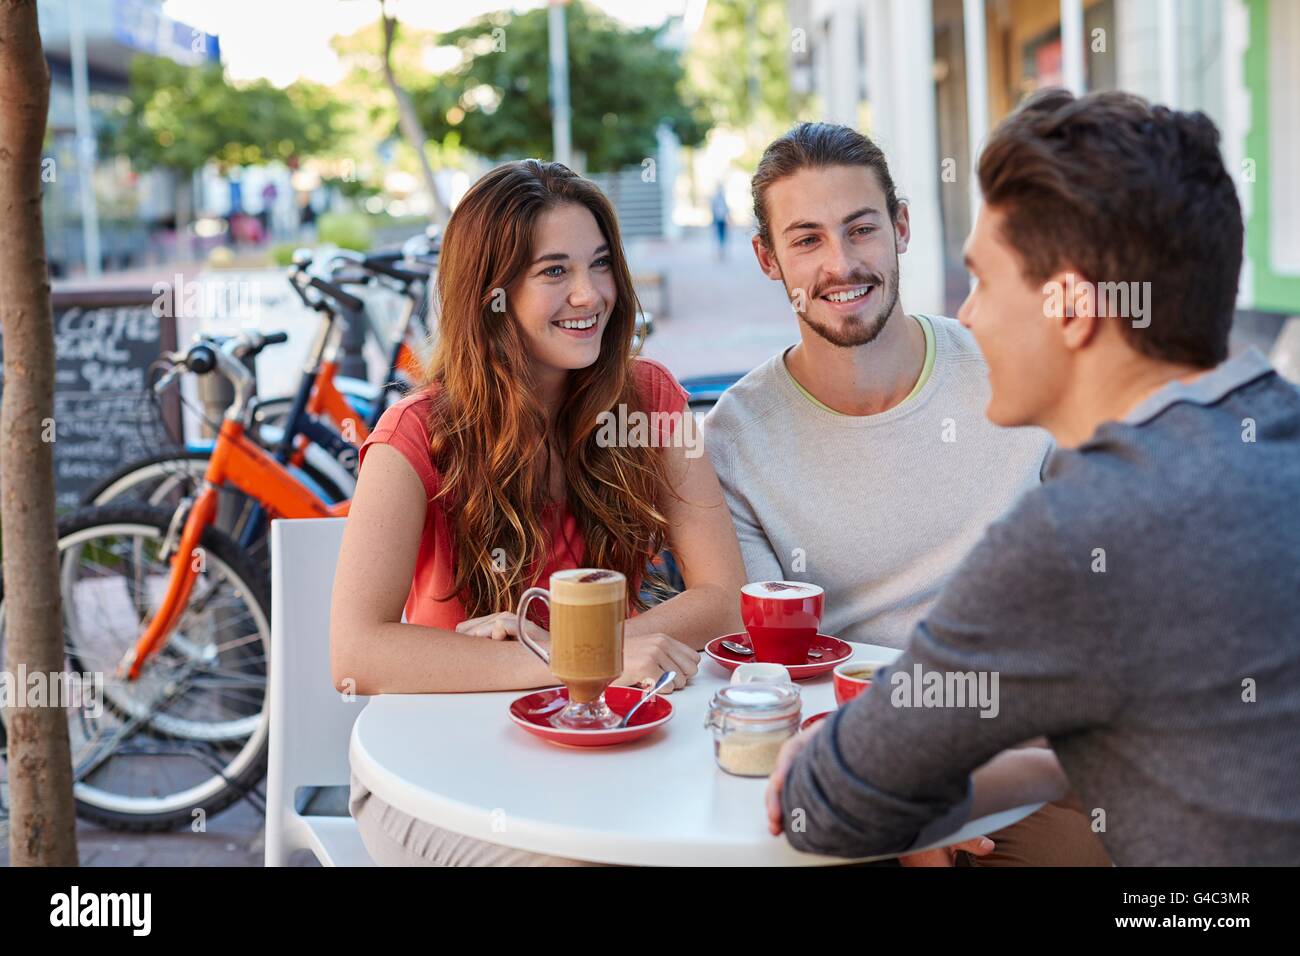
column 853, row 677
column 781, row 618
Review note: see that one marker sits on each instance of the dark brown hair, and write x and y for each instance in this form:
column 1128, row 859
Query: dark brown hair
column 1124, row 191
column 814, row 146
column 488, row 431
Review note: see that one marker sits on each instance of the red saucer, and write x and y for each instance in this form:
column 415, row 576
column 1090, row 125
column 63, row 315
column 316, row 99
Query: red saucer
column 834, row 651
column 533, row 712
column 814, row 718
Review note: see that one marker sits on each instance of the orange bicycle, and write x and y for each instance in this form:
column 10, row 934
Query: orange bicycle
column 168, row 618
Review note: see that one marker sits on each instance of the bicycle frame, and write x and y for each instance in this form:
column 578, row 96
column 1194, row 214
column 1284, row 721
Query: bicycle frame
column 326, row 401
column 239, row 463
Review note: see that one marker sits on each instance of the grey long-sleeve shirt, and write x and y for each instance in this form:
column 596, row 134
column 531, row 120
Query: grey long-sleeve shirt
column 1142, row 610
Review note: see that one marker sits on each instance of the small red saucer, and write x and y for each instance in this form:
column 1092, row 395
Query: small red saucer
column 533, row 712
column 834, row 651
column 814, row 718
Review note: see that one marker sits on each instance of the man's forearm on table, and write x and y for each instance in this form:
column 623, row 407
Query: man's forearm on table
column 885, row 771
column 830, row 809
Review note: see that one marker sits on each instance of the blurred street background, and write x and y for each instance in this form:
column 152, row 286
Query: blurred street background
column 194, row 136
column 203, row 141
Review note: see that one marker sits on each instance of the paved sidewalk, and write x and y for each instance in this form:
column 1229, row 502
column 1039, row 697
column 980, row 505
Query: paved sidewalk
column 233, row 838
column 722, row 316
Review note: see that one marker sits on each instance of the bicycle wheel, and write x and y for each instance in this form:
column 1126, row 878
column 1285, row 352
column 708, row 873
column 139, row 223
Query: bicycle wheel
column 191, row 733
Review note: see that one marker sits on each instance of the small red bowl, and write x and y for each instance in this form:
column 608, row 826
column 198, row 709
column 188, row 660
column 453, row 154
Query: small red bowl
column 533, row 712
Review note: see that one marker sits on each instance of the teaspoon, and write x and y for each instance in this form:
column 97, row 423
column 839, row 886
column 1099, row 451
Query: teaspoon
column 666, row 678
column 744, row 651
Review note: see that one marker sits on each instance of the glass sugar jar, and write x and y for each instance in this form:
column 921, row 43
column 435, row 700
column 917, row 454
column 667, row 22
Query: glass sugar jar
column 750, row 722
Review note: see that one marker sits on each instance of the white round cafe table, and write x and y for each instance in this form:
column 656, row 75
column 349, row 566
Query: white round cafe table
column 459, row 762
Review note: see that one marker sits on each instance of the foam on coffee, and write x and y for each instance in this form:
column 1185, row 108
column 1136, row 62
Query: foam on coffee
column 781, row 589
column 581, row 586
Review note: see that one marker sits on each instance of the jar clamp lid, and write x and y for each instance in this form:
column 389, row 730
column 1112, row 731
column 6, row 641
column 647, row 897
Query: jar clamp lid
column 753, row 706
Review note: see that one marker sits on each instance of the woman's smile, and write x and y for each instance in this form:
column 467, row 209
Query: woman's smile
column 578, row 327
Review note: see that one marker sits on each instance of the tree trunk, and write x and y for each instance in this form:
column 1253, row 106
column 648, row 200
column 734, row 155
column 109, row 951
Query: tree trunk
column 42, row 829
column 408, row 120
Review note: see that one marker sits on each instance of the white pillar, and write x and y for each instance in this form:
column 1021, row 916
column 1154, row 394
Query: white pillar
column 85, row 141
column 913, row 150
column 562, row 145
column 1072, row 45
column 977, row 90
column 1167, row 33
column 880, row 69
column 842, row 96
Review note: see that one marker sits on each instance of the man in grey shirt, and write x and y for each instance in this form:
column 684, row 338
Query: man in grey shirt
column 859, row 458
column 1140, row 608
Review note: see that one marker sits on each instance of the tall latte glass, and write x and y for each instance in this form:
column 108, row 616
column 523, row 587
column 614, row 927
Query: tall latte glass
column 588, row 606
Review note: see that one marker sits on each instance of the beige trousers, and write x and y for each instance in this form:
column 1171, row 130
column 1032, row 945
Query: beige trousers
column 394, row 838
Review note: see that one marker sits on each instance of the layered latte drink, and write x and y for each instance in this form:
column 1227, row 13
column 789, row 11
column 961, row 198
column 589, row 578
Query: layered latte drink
column 588, row 607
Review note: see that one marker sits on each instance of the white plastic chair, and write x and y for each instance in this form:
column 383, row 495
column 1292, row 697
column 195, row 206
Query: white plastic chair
column 311, row 723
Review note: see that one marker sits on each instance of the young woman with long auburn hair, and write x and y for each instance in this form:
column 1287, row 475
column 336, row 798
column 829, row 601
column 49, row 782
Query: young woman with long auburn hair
column 493, row 474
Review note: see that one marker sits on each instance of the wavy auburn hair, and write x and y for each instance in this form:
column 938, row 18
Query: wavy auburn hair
column 488, row 429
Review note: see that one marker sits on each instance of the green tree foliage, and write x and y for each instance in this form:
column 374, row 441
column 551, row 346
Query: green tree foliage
column 739, row 62
column 624, row 83
column 181, row 117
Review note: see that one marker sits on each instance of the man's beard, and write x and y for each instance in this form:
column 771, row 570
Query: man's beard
column 854, row 330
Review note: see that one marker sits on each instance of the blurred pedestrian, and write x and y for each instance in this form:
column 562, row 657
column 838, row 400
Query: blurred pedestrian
column 306, row 219
column 269, row 195
column 720, row 220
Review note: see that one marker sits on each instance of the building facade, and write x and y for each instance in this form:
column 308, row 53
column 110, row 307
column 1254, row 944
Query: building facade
column 928, row 79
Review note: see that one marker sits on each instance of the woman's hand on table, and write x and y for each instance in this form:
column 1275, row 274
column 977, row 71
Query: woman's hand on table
column 647, row 656
column 500, row 627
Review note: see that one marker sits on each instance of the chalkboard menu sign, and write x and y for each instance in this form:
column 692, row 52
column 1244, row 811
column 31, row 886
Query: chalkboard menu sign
column 104, row 343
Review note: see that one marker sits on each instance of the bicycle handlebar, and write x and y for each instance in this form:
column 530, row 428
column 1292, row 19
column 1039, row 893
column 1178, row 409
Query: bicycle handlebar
column 385, row 266
column 345, row 299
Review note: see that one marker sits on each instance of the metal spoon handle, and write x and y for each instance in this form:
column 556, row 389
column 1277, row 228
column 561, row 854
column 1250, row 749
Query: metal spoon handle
column 660, row 684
